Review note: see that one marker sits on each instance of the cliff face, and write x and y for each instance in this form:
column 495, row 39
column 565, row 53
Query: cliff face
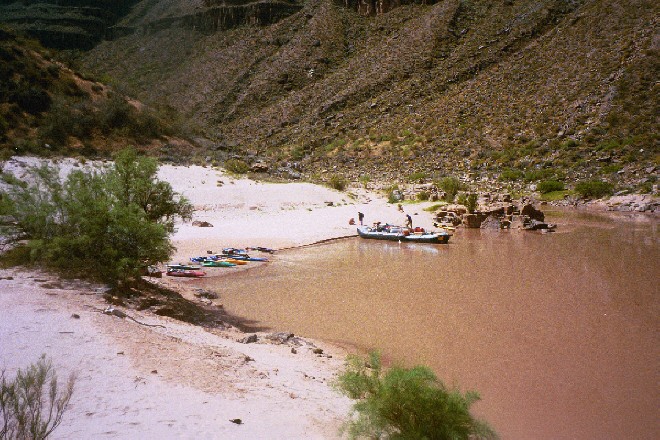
column 81, row 24
column 204, row 16
column 64, row 24
column 375, row 7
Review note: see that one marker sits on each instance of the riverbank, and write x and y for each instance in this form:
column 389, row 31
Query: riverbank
column 183, row 380
column 186, row 381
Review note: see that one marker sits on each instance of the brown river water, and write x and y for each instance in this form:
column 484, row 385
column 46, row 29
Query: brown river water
column 557, row 332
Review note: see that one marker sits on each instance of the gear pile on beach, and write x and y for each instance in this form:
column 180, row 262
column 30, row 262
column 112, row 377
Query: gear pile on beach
column 229, row 257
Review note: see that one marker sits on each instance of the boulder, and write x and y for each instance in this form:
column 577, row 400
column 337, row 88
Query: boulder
column 280, row 337
column 533, row 213
column 259, row 167
column 249, row 339
column 202, row 224
column 494, row 222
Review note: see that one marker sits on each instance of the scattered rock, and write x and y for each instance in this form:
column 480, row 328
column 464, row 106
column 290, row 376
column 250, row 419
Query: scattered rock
column 249, row 339
column 280, row 337
column 317, row 351
column 202, row 224
column 201, row 293
column 237, row 421
column 75, row 316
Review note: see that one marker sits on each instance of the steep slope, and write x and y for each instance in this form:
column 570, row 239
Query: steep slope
column 47, row 108
column 453, row 87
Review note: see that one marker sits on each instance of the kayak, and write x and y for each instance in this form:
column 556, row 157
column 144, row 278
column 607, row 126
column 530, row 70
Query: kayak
column 183, row 266
column 223, row 263
column 233, row 261
column 185, row 273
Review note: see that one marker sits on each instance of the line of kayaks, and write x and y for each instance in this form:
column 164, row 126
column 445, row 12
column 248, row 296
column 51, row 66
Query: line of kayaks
column 229, row 257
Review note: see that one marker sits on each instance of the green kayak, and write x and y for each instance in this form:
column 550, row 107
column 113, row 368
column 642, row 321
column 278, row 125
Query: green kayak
column 218, row 264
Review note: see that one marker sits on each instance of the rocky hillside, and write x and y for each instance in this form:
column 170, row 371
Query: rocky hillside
column 565, row 89
column 47, row 108
column 65, row 24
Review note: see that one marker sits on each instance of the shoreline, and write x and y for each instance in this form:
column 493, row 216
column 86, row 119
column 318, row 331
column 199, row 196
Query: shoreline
column 187, row 380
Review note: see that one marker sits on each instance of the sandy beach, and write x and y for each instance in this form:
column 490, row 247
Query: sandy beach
column 185, row 381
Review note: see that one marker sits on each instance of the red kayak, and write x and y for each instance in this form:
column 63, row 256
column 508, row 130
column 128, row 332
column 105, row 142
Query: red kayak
column 185, row 273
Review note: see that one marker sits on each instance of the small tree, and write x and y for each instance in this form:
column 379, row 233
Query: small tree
column 594, row 189
column 548, row 186
column 407, row 404
column 105, row 224
column 32, row 405
column 468, row 200
column 451, row 186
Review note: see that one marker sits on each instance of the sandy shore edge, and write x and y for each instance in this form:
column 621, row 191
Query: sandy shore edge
column 185, row 381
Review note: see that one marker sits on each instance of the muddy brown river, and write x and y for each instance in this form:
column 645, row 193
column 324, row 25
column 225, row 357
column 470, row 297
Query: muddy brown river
column 557, row 332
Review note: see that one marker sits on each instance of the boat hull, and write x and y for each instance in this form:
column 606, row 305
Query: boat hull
column 399, row 234
column 185, row 273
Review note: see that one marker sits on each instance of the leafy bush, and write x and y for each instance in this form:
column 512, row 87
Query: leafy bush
column 423, row 196
column 468, row 200
column 393, row 194
column 549, row 186
column 236, row 166
column 337, row 182
column 611, row 169
column 107, row 225
column 451, row 186
column 542, row 174
column 32, row 405
column 471, row 202
column 407, row 404
column 417, row 177
column 511, row 175
column 594, row 189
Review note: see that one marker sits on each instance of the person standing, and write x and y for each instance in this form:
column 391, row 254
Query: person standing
column 408, row 221
column 361, row 218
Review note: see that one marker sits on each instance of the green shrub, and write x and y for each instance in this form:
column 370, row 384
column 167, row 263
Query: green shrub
column 553, row 196
column 451, row 186
column 511, row 175
column 407, row 404
column 594, row 189
column 417, row 177
column 393, row 194
column 542, row 174
column 423, row 196
column 32, row 404
column 435, row 207
column 549, row 186
column 471, row 202
column 611, row 169
column 236, row 166
column 115, row 114
column 337, row 182
column 107, row 225
column 468, row 200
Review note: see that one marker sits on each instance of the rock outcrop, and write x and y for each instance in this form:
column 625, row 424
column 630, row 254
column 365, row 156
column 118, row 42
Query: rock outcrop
column 495, row 216
column 376, row 7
